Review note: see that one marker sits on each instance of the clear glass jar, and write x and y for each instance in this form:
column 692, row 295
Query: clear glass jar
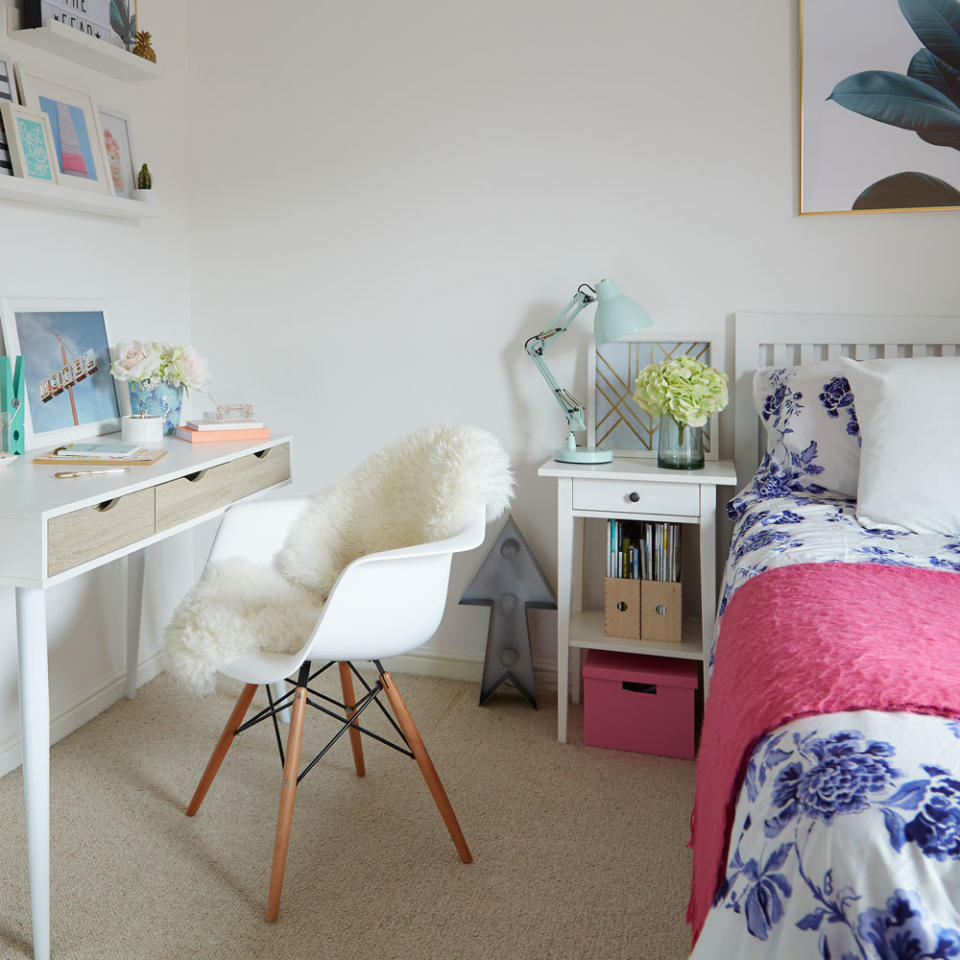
column 680, row 446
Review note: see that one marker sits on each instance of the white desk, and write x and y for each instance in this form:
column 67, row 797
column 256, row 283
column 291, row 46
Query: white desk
column 629, row 490
column 53, row 530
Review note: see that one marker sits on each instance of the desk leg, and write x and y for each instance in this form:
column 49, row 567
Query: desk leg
column 708, row 571
column 134, row 563
column 35, row 738
column 564, row 585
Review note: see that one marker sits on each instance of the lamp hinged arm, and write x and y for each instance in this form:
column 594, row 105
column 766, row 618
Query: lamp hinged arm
column 536, row 347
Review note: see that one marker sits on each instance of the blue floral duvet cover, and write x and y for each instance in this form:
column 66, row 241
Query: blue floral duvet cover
column 846, row 838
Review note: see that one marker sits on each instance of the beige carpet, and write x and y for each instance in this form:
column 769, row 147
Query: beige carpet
column 578, row 852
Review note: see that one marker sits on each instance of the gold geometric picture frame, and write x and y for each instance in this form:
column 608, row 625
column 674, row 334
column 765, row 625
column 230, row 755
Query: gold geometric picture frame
column 614, row 420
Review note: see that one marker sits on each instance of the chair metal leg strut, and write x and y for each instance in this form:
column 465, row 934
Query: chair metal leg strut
column 297, row 699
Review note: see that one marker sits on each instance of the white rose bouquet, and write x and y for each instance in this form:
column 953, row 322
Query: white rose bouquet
column 686, row 389
column 157, row 362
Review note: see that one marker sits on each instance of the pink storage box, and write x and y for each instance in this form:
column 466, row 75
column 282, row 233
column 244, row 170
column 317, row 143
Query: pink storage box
column 644, row 704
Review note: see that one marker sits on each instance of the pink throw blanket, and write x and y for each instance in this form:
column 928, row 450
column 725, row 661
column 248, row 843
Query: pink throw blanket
column 810, row 639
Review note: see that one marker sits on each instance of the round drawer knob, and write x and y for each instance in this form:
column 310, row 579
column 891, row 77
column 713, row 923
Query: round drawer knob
column 634, row 497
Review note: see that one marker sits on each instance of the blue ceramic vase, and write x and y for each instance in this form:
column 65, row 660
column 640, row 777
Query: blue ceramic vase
column 157, row 400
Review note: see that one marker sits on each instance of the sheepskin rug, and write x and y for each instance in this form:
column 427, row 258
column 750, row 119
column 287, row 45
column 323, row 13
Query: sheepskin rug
column 423, row 488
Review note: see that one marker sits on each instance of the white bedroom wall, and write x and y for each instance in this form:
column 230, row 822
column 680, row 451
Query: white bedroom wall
column 390, row 198
column 143, row 272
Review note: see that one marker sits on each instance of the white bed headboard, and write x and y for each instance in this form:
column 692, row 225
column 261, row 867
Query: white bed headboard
column 785, row 339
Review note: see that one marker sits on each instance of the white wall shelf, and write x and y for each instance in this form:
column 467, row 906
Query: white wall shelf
column 18, row 190
column 73, row 45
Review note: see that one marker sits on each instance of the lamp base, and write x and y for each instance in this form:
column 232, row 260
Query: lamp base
column 583, row 455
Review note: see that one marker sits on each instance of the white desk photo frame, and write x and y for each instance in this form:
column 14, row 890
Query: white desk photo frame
column 614, row 420
column 56, row 336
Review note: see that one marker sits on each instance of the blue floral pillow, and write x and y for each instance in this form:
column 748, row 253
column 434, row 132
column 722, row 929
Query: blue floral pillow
column 813, row 438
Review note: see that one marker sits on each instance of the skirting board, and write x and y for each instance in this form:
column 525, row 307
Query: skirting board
column 82, row 708
column 88, row 704
column 459, row 666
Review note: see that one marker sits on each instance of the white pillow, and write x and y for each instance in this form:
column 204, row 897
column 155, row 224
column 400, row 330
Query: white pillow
column 909, row 414
column 813, row 442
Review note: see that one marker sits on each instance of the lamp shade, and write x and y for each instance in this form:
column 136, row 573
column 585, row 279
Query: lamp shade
column 616, row 315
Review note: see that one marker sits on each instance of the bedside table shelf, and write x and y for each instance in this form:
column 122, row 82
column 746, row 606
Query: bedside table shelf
column 630, row 489
column 586, row 632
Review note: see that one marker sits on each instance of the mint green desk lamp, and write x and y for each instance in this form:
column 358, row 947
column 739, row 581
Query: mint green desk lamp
column 616, row 316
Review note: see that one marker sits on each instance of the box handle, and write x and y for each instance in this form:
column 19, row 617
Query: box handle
column 621, row 606
column 639, row 687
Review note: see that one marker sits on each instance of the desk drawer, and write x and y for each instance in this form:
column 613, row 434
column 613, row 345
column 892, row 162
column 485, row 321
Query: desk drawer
column 623, row 496
column 257, row 471
column 83, row 535
column 194, row 495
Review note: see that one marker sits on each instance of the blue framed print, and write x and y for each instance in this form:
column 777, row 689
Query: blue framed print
column 69, row 391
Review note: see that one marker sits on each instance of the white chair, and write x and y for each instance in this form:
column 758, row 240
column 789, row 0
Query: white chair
column 382, row 605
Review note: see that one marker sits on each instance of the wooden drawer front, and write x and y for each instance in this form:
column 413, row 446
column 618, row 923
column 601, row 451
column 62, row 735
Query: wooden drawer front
column 74, row 538
column 259, row 471
column 621, row 496
column 193, row 495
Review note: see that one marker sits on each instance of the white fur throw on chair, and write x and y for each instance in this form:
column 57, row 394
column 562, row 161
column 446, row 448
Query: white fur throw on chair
column 423, row 488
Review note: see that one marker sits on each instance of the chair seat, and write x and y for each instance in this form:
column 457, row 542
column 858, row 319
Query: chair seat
column 262, row 667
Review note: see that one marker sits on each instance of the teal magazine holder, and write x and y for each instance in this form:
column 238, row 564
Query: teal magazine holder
column 12, row 439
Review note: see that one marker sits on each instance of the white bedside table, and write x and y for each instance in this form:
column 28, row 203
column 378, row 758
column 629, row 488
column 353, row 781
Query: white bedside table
column 628, row 489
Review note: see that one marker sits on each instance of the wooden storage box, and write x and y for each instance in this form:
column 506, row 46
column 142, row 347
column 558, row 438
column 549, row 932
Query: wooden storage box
column 621, row 608
column 647, row 609
column 661, row 611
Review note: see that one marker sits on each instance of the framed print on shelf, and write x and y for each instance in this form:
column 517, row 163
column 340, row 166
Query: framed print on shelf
column 70, row 392
column 7, row 95
column 614, row 420
column 76, row 133
column 118, row 146
column 879, row 105
column 30, row 143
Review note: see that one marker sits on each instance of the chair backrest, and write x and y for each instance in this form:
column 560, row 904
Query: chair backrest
column 385, row 604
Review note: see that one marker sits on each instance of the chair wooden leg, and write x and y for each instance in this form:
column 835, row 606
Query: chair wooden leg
column 288, row 790
column 349, row 698
column 426, row 766
column 223, row 745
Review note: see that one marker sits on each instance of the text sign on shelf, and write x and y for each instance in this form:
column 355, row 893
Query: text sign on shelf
column 91, row 17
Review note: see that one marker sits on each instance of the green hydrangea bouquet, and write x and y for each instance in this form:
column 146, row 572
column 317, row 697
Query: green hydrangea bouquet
column 686, row 388
column 686, row 391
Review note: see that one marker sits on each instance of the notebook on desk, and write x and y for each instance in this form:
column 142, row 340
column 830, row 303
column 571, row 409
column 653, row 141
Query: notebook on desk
column 93, row 454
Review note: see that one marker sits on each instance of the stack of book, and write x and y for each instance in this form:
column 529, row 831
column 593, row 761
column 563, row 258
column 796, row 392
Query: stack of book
column 213, row 431
column 638, row 550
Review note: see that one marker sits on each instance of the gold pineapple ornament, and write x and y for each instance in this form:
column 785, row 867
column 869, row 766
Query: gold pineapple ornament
column 143, row 48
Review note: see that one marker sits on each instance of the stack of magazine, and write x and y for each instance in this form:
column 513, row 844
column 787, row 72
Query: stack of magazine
column 638, row 550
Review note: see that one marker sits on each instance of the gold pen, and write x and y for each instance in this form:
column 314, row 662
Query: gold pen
column 69, row 475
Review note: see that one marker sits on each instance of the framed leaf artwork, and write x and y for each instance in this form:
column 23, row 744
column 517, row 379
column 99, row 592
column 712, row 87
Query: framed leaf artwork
column 880, row 105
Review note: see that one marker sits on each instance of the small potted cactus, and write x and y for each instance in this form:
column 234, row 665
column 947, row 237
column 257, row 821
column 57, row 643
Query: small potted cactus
column 144, row 188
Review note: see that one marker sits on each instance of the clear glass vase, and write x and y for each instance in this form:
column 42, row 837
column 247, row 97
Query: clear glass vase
column 680, row 446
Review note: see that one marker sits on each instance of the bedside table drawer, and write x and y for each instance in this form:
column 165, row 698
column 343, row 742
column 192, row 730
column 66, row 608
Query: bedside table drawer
column 622, row 496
